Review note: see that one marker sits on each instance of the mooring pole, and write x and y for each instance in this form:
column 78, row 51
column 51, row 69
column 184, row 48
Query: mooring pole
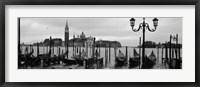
column 177, row 45
column 166, row 52
column 59, row 51
column 115, row 50
column 172, row 52
column 80, row 52
column 73, row 44
column 62, row 51
column 75, row 51
column 38, row 49
column 50, row 46
column 162, row 55
column 170, row 49
column 47, row 49
column 93, row 48
column 179, row 51
column 67, row 49
column 30, row 48
column 109, row 52
column 105, row 58
column 140, row 53
column 157, row 53
column 53, row 48
column 43, row 49
column 126, row 62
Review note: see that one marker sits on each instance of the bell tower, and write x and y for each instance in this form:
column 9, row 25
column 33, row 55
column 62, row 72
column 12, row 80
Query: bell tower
column 66, row 38
column 66, row 33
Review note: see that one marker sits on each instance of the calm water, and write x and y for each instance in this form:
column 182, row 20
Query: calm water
column 45, row 49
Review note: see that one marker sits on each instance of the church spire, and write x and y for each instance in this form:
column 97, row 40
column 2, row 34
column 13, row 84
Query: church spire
column 66, row 27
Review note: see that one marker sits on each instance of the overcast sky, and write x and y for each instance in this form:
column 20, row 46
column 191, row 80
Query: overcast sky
column 37, row 29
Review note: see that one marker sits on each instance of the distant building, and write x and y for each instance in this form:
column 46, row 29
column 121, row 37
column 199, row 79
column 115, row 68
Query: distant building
column 79, row 41
column 55, row 41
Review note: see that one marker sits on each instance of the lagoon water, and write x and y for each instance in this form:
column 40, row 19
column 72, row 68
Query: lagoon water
column 45, row 49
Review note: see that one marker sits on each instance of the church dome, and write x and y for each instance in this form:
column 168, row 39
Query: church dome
column 82, row 35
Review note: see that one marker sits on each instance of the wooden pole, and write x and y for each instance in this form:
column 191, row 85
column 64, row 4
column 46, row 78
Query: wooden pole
column 62, row 52
column 140, row 53
column 105, row 58
column 109, row 52
column 179, row 51
column 43, row 49
column 73, row 45
column 166, row 52
column 170, row 49
column 53, row 48
column 62, row 57
column 47, row 50
column 59, row 51
column 93, row 49
column 115, row 50
column 80, row 52
column 177, row 46
column 126, row 62
column 50, row 45
column 75, row 51
column 38, row 49
column 99, row 49
column 157, row 53
column 30, row 48
column 162, row 55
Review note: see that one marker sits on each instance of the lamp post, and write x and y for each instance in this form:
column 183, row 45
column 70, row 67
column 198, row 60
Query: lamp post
column 144, row 26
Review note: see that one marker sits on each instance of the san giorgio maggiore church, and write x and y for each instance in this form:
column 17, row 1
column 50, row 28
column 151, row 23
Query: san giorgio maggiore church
column 79, row 40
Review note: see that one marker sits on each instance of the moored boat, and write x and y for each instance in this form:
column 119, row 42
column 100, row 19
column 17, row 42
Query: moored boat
column 135, row 60
column 120, row 59
column 149, row 61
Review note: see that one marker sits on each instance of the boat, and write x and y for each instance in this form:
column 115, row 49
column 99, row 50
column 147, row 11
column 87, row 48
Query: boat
column 25, row 59
column 120, row 59
column 152, row 56
column 81, row 58
column 149, row 61
column 69, row 61
column 135, row 60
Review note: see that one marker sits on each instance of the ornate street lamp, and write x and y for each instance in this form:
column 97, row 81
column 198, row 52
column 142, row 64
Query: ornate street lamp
column 143, row 26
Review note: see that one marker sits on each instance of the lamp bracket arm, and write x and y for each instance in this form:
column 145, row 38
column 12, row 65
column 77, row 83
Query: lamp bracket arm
column 136, row 30
column 151, row 30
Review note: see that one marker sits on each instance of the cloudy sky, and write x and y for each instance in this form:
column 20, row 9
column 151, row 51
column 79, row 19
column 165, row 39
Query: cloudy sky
column 37, row 29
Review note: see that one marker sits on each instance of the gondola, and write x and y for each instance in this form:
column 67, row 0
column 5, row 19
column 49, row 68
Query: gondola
column 25, row 59
column 150, row 61
column 69, row 61
column 120, row 60
column 135, row 60
column 79, row 59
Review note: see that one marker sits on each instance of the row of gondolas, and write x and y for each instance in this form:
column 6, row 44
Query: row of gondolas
column 45, row 60
column 135, row 60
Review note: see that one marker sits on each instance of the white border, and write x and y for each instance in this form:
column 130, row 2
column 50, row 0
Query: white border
column 187, row 74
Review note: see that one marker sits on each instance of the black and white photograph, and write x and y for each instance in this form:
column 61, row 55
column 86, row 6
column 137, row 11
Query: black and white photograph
column 99, row 43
